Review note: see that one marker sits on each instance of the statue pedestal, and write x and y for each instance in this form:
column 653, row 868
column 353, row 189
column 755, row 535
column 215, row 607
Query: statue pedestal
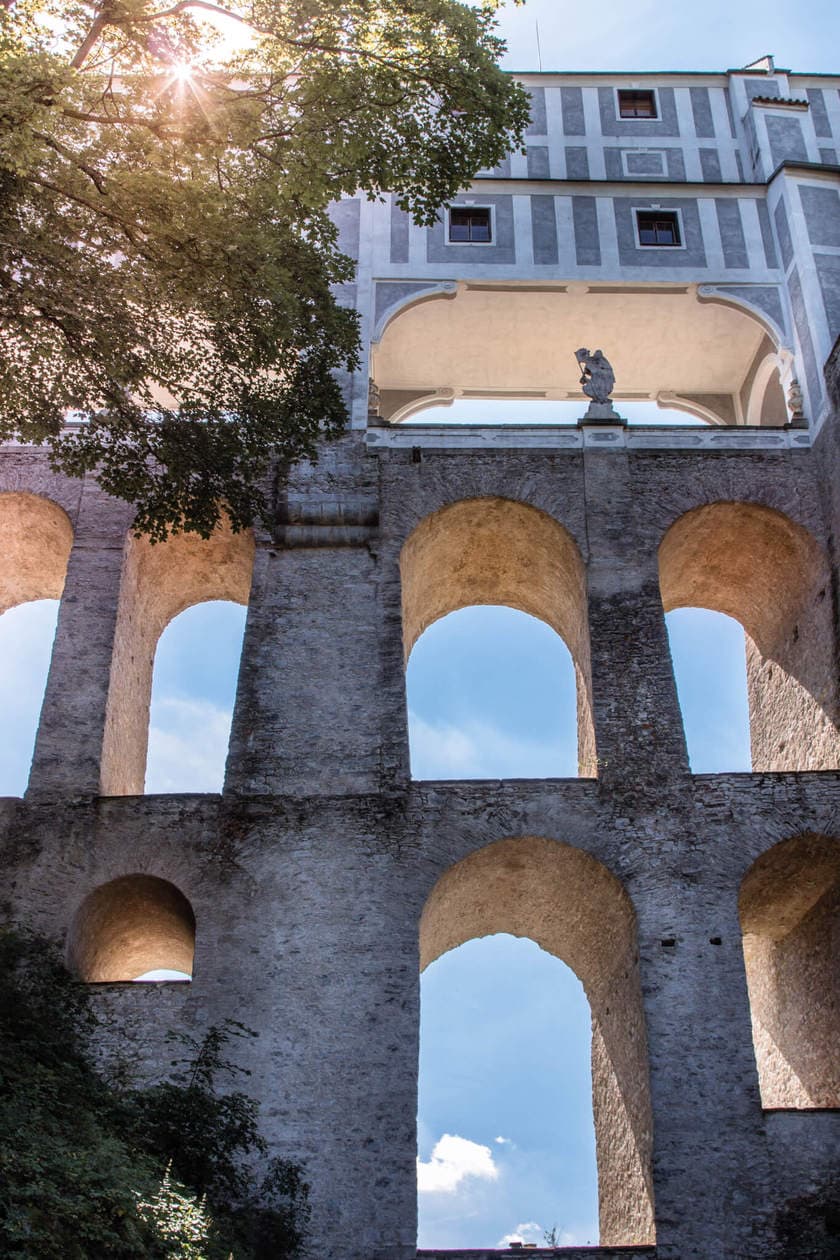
column 601, row 413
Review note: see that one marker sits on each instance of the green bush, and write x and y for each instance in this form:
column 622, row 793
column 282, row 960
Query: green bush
column 90, row 1171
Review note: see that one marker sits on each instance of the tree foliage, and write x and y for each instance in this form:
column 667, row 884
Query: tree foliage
column 89, row 1171
column 169, row 272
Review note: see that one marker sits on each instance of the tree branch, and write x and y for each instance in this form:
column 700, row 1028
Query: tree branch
column 121, row 120
column 97, row 27
column 128, row 229
column 91, row 172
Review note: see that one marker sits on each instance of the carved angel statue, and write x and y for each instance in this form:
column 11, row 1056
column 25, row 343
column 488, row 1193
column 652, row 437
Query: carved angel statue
column 597, row 376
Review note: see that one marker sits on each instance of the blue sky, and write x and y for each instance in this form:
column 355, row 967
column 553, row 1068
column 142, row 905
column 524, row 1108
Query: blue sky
column 650, row 35
column 505, row 1129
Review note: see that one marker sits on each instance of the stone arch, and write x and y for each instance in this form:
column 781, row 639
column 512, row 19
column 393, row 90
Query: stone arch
column 765, row 570
column 159, row 581
column 766, row 402
column 789, row 906
column 131, row 925
column 573, row 907
column 501, row 551
column 36, row 537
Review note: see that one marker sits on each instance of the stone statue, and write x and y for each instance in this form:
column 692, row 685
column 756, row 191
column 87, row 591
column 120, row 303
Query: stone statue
column 598, row 381
column 597, row 378
column 796, row 402
column 374, row 398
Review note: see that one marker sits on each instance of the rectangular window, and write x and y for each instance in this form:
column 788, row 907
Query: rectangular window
column 468, row 225
column 632, row 104
column 658, row 227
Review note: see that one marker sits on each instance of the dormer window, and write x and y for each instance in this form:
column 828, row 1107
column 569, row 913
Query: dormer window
column 470, row 225
column 636, row 104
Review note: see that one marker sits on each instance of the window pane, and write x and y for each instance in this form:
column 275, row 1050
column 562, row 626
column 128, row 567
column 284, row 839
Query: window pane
column 468, row 224
column 658, row 229
column 636, row 104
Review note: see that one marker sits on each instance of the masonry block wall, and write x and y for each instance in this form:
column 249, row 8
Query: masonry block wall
column 322, row 878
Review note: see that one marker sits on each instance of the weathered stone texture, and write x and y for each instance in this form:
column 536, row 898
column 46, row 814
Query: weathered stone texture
column 700, row 910
column 323, row 878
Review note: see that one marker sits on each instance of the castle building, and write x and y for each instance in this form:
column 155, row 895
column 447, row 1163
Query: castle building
column 688, row 225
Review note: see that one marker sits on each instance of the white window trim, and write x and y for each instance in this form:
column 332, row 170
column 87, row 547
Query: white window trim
column 626, row 88
column 636, row 210
column 471, row 205
column 625, row 153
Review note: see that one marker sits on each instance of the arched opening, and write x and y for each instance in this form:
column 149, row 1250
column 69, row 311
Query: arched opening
column 760, row 567
column 512, row 343
column 159, row 581
column 708, row 651
column 193, row 690
column 570, row 905
column 493, row 551
column 505, row 1129
column 790, row 920
column 491, row 695
column 762, row 399
column 131, row 926
column 35, row 541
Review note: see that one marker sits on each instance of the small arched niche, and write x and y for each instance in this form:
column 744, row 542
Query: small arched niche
column 758, row 566
column 494, row 551
column 159, row 581
column 130, row 926
column 574, row 908
column 790, row 919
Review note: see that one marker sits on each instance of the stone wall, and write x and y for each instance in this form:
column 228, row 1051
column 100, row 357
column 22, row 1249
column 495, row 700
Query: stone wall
column 309, row 876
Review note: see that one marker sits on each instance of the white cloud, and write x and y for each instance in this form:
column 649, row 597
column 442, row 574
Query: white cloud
column 529, row 1231
column 503, row 1141
column 478, row 750
column 188, row 742
column 453, row 1160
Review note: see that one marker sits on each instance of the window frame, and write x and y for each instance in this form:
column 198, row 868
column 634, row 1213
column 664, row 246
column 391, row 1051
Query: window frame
column 656, row 116
column 469, row 207
column 672, row 212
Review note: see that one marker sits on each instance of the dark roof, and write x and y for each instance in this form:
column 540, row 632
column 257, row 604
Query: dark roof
column 780, row 100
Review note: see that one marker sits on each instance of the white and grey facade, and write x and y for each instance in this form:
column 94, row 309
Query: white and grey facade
column 746, row 162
